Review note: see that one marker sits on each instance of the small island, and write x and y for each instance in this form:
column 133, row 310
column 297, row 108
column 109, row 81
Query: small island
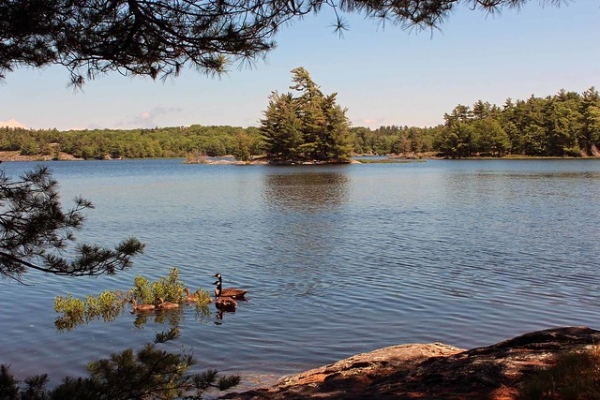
column 311, row 128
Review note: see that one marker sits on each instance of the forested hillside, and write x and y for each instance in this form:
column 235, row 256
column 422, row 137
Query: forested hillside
column 565, row 124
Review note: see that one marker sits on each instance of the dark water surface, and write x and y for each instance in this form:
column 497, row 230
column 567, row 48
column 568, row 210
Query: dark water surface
column 337, row 260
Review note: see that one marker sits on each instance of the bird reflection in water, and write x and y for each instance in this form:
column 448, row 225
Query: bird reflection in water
column 224, row 306
column 225, row 299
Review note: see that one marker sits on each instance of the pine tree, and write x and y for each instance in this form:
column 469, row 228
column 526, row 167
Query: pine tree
column 35, row 231
column 149, row 373
column 281, row 128
column 310, row 127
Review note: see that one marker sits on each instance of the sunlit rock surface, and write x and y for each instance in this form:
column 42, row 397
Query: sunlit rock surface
column 431, row 371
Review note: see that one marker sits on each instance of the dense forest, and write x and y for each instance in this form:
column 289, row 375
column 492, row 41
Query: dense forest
column 566, row 124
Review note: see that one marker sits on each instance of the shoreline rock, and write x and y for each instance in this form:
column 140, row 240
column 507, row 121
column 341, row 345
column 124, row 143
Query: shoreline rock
column 432, row 371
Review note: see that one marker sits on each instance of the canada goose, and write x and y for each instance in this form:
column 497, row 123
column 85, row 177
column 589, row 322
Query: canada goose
column 228, row 292
column 191, row 297
column 225, row 303
column 164, row 305
column 141, row 307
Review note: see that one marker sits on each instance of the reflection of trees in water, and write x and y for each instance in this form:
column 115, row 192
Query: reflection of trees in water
column 166, row 317
column 306, row 190
column 171, row 318
column 304, row 226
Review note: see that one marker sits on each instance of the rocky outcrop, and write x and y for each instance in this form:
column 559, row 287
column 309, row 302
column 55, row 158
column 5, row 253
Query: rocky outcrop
column 16, row 156
column 432, row 371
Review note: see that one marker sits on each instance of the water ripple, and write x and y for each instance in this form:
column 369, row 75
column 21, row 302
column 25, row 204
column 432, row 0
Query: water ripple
column 336, row 261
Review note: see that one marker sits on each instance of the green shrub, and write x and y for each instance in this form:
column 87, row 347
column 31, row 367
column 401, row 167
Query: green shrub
column 109, row 304
column 169, row 288
column 142, row 291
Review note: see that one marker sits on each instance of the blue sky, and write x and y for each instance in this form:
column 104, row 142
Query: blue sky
column 383, row 75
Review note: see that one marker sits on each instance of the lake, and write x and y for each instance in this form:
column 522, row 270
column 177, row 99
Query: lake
column 337, row 260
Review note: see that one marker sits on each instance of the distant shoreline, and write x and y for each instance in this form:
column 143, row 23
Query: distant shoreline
column 15, row 156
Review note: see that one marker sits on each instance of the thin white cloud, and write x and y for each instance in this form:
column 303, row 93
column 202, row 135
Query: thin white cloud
column 147, row 119
column 369, row 122
column 12, row 123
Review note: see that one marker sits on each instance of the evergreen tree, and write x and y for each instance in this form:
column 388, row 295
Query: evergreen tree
column 308, row 127
column 590, row 122
column 561, row 119
column 149, row 373
column 491, row 138
column 335, row 139
column 457, row 139
column 282, row 128
column 35, row 231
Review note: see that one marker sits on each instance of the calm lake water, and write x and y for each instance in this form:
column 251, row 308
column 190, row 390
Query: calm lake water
column 337, row 260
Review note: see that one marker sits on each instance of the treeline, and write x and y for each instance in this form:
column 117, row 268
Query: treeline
column 212, row 141
column 405, row 141
column 134, row 143
column 566, row 124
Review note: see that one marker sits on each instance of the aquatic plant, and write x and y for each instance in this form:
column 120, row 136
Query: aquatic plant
column 108, row 305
